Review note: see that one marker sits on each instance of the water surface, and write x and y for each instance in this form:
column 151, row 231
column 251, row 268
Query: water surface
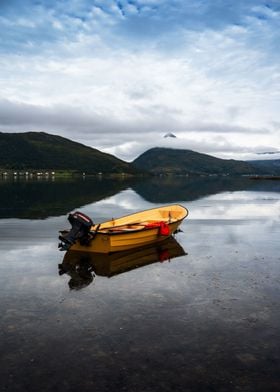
column 203, row 316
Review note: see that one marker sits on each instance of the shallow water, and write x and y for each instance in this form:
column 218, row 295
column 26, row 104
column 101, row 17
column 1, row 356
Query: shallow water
column 207, row 320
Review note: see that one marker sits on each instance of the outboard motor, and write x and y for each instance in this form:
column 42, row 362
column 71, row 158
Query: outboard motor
column 80, row 230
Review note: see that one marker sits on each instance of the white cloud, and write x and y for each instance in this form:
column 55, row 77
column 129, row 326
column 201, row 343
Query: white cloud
column 218, row 89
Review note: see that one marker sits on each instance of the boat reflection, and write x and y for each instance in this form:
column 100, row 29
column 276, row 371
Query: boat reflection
column 83, row 266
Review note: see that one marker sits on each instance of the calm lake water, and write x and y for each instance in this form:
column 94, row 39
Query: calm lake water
column 198, row 314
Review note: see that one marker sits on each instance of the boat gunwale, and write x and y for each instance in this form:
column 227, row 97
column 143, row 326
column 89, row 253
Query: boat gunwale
column 124, row 231
column 110, row 230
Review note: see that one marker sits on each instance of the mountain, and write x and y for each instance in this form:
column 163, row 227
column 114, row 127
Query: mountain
column 176, row 161
column 268, row 166
column 39, row 150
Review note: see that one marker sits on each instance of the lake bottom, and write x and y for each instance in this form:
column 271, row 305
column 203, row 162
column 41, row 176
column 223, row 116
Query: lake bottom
column 205, row 321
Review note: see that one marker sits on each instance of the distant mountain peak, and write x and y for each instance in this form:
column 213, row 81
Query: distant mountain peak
column 268, row 152
column 170, row 134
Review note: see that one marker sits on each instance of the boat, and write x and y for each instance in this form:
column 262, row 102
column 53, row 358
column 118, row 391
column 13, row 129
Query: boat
column 82, row 267
column 127, row 232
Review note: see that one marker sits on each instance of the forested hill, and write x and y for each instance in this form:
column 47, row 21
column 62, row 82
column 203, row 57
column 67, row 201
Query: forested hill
column 39, row 150
column 177, row 161
column 267, row 167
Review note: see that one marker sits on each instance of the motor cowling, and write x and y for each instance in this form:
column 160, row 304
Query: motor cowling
column 80, row 230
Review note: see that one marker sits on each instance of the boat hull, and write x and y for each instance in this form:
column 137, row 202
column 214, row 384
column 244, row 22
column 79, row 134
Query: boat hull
column 116, row 242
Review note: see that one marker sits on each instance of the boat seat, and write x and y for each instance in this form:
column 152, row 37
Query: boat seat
column 170, row 215
column 124, row 228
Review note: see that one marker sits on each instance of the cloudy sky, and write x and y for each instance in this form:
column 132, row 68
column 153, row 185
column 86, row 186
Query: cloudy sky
column 118, row 75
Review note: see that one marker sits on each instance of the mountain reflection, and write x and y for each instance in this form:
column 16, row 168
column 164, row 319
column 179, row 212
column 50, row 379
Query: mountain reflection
column 83, row 266
column 42, row 199
column 173, row 189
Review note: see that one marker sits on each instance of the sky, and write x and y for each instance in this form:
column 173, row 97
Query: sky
column 118, row 75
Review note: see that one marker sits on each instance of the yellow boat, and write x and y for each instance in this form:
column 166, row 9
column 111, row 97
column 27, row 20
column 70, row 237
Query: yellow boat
column 83, row 266
column 127, row 232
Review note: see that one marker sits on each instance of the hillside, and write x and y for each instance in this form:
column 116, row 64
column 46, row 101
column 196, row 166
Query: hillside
column 176, row 161
column 269, row 166
column 39, row 150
